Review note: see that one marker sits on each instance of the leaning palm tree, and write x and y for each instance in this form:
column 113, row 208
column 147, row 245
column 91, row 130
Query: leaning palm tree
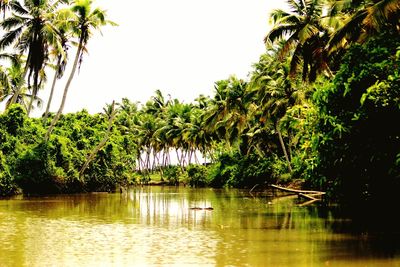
column 30, row 30
column 83, row 21
column 61, row 55
column 275, row 93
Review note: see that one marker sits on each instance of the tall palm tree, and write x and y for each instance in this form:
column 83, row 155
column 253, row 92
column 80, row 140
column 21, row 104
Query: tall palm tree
column 275, row 93
column 61, row 55
column 31, row 30
column 303, row 36
column 83, row 21
column 227, row 114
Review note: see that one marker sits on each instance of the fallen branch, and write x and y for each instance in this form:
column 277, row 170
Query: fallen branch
column 296, row 191
column 251, row 190
column 311, row 195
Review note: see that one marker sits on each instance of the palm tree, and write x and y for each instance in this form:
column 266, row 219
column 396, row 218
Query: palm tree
column 361, row 19
column 274, row 93
column 83, row 21
column 10, row 80
column 60, row 53
column 31, row 30
column 227, row 114
column 303, row 36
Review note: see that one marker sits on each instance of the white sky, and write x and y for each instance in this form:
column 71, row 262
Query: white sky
column 178, row 46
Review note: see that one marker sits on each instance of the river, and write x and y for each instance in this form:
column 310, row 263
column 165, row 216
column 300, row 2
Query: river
column 155, row 226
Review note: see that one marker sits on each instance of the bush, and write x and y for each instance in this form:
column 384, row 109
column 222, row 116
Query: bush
column 197, row 175
column 234, row 170
column 7, row 186
column 358, row 142
column 36, row 172
column 172, row 174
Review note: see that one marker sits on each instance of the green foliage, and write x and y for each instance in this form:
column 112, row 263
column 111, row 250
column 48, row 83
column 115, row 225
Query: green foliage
column 13, row 120
column 7, row 186
column 41, row 167
column 36, row 171
column 357, row 140
column 172, row 174
column 234, row 170
column 197, row 175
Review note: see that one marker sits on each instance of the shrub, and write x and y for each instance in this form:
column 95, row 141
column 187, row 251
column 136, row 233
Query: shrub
column 197, row 175
column 172, row 174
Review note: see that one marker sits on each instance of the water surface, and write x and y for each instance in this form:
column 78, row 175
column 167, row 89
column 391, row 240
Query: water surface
column 154, row 226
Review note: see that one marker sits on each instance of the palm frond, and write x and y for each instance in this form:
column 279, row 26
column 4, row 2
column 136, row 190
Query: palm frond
column 296, row 60
column 307, row 32
column 350, row 30
column 11, row 22
column 18, row 8
column 277, row 14
column 380, row 13
column 10, row 37
column 279, row 32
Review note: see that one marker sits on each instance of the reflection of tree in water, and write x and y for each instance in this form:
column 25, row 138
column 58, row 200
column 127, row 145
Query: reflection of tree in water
column 239, row 230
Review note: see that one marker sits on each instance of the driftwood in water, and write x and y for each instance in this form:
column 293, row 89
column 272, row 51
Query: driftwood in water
column 311, row 195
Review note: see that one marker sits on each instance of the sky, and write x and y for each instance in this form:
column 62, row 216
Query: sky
column 181, row 47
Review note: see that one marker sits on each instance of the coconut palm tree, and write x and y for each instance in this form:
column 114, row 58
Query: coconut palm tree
column 303, row 35
column 60, row 54
column 227, row 114
column 84, row 21
column 10, row 80
column 361, row 19
column 30, row 29
column 275, row 93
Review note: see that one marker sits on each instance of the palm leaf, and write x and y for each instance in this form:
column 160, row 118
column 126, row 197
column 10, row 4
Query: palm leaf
column 10, row 37
column 277, row 14
column 279, row 32
column 296, row 60
column 18, row 8
column 350, row 30
column 11, row 22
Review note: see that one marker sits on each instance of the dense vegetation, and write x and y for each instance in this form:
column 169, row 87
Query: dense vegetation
column 316, row 107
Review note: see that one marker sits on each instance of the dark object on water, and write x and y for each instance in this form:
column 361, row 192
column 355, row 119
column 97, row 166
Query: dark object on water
column 198, row 208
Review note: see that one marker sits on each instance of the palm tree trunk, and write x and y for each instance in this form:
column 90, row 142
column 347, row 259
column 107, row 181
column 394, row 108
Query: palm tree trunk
column 53, row 85
column 28, row 110
column 19, row 85
column 64, row 98
column 283, row 147
column 196, row 159
column 33, row 95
